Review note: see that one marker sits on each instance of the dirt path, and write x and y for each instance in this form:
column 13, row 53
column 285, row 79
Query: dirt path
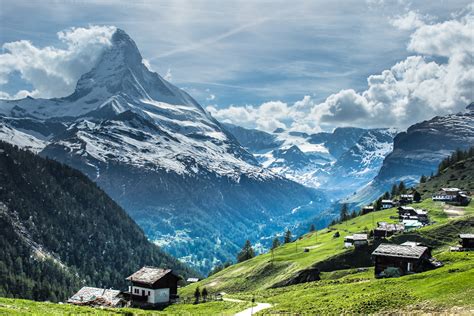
column 251, row 310
column 453, row 211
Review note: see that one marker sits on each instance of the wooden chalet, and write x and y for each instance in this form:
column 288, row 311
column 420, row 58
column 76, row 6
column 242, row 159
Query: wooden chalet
column 467, row 241
column 151, row 286
column 92, row 296
column 452, row 195
column 406, row 258
column 385, row 229
column 356, row 240
column 407, row 212
column 388, row 204
column 367, row 209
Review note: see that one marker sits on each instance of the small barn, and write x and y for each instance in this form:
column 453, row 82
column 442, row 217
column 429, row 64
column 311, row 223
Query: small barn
column 356, row 240
column 367, row 209
column 406, row 199
column 385, row 229
column 405, row 259
column 410, row 213
column 467, row 241
column 153, row 286
column 92, row 296
column 388, row 204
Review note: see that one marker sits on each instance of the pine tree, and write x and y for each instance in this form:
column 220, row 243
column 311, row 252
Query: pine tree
column 197, row 295
column 394, row 191
column 402, row 188
column 312, row 228
column 417, row 196
column 288, row 236
column 378, row 204
column 204, row 295
column 276, row 243
column 344, row 214
column 422, row 179
column 246, row 253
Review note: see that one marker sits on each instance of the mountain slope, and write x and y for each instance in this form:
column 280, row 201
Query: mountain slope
column 360, row 163
column 418, row 151
column 182, row 177
column 60, row 231
column 459, row 175
column 327, row 253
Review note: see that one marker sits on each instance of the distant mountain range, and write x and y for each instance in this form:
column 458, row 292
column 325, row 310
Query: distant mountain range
column 337, row 163
column 418, row 151
column 182, row 177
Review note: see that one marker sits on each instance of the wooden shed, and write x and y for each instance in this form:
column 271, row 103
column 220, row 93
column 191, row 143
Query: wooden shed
column 406, row 258
column 467, row 241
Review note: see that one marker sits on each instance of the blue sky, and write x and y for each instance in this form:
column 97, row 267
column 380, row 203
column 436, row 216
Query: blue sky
column 241, row 53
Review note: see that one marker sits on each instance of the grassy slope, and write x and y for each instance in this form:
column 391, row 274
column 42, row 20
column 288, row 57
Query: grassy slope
column 460, row 175
column 258, row 273
column 26, row 307
column 446, row 289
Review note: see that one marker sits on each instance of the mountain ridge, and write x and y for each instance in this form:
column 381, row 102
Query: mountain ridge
column 161, row 156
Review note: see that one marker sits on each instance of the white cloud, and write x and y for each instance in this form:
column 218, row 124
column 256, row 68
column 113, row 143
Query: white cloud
column 168, row 76
column 414, row 89
column 211, row 97
column 409, row 21
column 54, row 71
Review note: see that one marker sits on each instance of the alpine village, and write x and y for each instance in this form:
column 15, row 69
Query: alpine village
column 126, row 196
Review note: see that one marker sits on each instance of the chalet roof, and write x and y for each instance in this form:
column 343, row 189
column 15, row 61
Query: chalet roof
column 450, row 189
column 387, row 201
column 88, row 294
column 406, row 195
column 390, row 227
column 400, row 251
column 148, row 275
column 420, row 212
column 192, row 280
column 370, row 207
column 357, row 237
column 466, row 236
column 411, row 243
column 406, row 208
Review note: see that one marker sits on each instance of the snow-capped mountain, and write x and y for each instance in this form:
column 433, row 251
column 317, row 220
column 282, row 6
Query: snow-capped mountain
column 339, row 162
column 360, row 163
column 186, row 181
column 418, row 151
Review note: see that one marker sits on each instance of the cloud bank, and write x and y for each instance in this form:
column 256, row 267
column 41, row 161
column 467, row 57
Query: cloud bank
column 50, row 70
column 436, row 80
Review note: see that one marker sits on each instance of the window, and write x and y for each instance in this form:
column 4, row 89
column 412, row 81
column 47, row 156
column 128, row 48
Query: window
column 409, row 266
column 149, row 293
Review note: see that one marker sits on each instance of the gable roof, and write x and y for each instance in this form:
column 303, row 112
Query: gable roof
column 400, row 251
column 389, row 227
column 148, row 275
column 356, row 237
column 88, row 294
column 466, row 236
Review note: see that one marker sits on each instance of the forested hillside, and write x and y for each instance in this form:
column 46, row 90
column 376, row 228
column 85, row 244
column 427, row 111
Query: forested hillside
column 455, row 171
column 59, row 230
